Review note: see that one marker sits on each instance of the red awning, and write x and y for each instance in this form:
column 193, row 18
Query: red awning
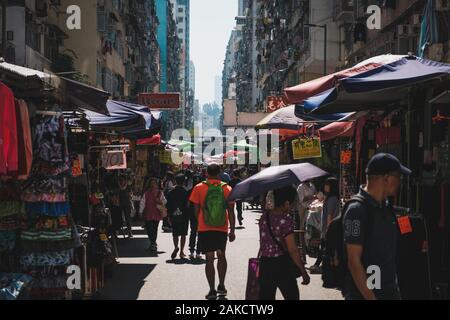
column 337, row 129
column 153, row 141
column 301, row 92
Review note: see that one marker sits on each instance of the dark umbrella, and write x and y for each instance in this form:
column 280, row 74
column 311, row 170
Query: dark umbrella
column 274, row 178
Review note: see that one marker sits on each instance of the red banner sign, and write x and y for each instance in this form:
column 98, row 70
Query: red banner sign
column 160, row 100
column 274, row 103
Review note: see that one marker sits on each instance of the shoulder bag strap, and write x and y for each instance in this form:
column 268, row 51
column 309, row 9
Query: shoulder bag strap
column 272, row 235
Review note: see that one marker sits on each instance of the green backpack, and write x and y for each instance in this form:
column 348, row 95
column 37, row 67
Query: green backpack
column 215, row 208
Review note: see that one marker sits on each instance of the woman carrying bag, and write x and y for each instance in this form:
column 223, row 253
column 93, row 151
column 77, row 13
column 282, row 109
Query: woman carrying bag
column 280, row 263
column 153, row 209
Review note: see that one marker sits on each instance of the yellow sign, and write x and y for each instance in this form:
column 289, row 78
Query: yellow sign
column 305, row 148
column 165, row 156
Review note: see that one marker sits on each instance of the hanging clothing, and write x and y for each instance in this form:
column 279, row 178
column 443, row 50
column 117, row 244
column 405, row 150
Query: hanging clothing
column 8, row 132
column 24, row 138
column 385, row 136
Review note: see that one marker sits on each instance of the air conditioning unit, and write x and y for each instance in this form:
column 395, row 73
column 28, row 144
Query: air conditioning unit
column 442, row 5
column 436, row 52
column 415, row 19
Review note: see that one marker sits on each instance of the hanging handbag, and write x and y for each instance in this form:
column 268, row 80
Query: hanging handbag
column 292, row 266
column 252, row 291
column 161, row 207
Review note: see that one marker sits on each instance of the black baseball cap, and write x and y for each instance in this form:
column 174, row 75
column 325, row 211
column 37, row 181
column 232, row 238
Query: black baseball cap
column 384, row 163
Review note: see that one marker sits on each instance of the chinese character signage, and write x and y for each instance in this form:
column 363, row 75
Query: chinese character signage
column 274, row 103
column 160, row 101
column 305, row 148
column 165, row 156
column 346, row 157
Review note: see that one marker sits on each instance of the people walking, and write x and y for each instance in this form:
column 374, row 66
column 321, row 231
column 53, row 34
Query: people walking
column 216, row 223
column 194, row 248
column 167, row 185
column 237, row 179
column 177, row 201
column 280, row 260
column 153, row 211
column 224, row 176
column 330, row 210
column 125, row 203
column 370, row 231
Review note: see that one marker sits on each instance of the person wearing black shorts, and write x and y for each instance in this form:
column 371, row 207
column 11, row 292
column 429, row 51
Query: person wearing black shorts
column 213, row 239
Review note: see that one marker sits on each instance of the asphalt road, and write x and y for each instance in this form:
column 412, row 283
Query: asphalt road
column 141, row 276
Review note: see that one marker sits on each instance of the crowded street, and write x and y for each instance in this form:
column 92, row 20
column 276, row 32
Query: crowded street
column 243, row 152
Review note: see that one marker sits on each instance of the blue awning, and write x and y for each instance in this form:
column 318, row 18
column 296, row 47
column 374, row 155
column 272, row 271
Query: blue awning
column 302, row 112
column 377, row 88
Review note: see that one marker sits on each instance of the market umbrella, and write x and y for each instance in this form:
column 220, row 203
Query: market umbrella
column 234, row 153
column 377, row 88
column 244, row 145
column 274, row 178
column 283, row 118
column 152, row 141
column 181, row 145
column 298, row 94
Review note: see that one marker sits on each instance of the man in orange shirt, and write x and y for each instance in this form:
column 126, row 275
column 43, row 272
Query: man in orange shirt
column 213, row 239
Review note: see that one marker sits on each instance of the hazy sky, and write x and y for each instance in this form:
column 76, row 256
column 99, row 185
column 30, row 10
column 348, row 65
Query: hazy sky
column 211, row 24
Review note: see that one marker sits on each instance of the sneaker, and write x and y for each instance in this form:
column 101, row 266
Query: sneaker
column 212, row 295
column 182, row 256
column 221, row 290
column 192, row 256
column 198, row 257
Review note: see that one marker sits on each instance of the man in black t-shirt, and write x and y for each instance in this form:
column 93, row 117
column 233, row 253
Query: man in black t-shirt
column 370, row 233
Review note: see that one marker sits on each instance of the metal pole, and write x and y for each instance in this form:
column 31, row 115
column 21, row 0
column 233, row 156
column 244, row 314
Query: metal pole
column 325, row 50
column 3, row 53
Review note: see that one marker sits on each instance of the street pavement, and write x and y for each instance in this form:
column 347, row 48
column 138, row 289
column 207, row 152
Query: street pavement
column 141, row 276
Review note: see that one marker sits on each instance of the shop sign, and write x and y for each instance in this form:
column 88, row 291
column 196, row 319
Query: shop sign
column 160, row 101
column 305, row 148
column 346, row 157
column 274, row 103
column 165, row 157
column 114, row 160
column 76, row 168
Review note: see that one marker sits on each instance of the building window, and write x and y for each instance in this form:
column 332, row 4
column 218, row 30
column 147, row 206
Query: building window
column 33, row 37
column 180, row 10
column 180, row 19
column 180, row 30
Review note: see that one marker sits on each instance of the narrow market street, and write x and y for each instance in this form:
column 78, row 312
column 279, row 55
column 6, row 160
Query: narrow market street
column 140, row 276
column 126, row 124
